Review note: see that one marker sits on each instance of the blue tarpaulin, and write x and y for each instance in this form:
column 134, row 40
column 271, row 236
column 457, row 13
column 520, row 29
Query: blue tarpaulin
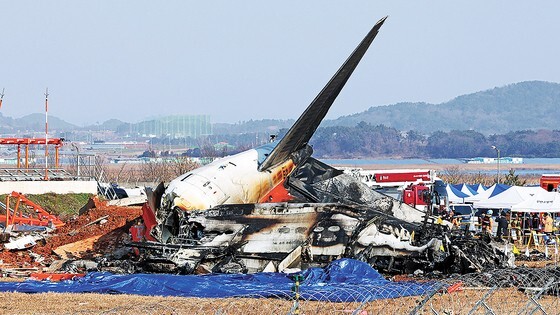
column 342, row 280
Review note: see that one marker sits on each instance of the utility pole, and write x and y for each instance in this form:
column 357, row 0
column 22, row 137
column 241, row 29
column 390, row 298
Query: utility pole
column 498, row 162
column 77, row 160
column 47, row 134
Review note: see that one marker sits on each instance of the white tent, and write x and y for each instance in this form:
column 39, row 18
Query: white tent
column 454, row 195
column 479, row 188
column 545, row 201
column 488, row 193
column 508, row 198
column 464, row 188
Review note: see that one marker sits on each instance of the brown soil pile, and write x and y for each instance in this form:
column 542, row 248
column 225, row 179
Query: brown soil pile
column 118, row 220
column 17, row 259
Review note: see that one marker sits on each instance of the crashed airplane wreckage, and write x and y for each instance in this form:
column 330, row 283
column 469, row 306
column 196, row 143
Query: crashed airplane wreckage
column 275, row 207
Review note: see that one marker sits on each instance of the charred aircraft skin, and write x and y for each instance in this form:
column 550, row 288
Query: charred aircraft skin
column 261, row 235
column 315, row 230
column 275, row 207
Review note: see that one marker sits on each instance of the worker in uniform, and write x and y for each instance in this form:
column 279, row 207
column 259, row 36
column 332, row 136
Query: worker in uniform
column 536, row 223
column 486, row 222
column 502, row 225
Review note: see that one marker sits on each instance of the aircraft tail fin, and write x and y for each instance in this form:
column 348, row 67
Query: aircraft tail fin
column 299, row 134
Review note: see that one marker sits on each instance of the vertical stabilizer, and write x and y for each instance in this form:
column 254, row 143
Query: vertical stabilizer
column 298, row 136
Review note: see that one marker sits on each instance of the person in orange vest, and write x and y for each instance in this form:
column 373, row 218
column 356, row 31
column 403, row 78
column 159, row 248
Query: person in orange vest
column 454, row 220
column 547, row 223
column 486, row 222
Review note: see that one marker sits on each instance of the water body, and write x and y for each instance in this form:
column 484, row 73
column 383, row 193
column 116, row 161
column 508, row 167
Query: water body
column 530, row 163
column 358, row 162
column 526, row 161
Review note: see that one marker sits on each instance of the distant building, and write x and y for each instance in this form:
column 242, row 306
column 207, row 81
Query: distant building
column 177, row 126
column 504, row 160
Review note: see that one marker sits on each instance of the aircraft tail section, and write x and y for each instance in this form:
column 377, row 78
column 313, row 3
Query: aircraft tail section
column 299, row 134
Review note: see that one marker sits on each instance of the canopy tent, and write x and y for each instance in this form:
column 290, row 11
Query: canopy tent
column 478, row 188
column 544, row 201
column 488, row 193
column 508, row 198
column 464, row 188
column 454, row 195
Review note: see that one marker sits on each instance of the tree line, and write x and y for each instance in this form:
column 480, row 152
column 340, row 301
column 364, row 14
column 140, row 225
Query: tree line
column 366, row 141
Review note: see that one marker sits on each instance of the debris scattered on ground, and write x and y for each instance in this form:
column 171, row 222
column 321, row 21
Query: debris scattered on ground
column 96, row 240
column 56, row 276
column 74, row 232
column 18, row 272
column 98, row 231
column 24, row 242
column 128, row 201
column 534, row 255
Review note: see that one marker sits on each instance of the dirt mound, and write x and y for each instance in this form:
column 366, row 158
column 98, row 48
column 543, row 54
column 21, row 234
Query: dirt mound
column 77, row 229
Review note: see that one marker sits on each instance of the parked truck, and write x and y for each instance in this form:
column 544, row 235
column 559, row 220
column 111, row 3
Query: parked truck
column 416, row 187
column 550, row 182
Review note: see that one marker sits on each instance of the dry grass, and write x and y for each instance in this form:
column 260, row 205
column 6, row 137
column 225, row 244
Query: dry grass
column 503, row 301
column 88, row 303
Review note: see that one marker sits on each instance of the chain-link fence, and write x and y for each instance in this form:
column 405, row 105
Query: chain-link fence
column 512, row 291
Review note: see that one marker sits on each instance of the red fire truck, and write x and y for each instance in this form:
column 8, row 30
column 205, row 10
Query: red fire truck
column 550, row 181
column 411, row 186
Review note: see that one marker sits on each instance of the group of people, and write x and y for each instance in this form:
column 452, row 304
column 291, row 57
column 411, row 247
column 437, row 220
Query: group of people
column 525, row 224
column 518, row 227
column 514, row 226
column 487, row 224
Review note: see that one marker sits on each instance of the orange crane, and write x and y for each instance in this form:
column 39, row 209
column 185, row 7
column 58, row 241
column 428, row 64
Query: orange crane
column 27, row 212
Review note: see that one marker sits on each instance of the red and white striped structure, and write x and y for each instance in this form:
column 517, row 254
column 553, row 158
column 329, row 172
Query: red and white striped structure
column 47, row 134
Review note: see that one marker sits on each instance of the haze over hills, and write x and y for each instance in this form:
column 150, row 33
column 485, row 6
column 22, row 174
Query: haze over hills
column 33, row 123
column 521, row 106
column 527, row 105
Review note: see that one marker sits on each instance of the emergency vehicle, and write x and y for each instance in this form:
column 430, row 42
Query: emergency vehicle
column 415, row 187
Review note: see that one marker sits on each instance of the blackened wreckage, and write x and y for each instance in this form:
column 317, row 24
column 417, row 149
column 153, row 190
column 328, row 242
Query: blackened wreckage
column 275, row 208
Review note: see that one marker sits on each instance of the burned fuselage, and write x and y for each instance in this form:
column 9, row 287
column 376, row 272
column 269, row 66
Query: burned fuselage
column 277, row 236
column 332, row 215
column 275, row 207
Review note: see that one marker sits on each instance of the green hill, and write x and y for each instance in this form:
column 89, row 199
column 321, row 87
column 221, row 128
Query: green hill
column 522, row 106
column 33, row 122
column 37, row 122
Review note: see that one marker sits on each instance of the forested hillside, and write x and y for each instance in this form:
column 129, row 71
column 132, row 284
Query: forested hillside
column 521, row 119
column 366, row 140
column 521, row 106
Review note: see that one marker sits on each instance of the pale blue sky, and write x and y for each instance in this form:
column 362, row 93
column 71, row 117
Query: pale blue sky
column 240, row 60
